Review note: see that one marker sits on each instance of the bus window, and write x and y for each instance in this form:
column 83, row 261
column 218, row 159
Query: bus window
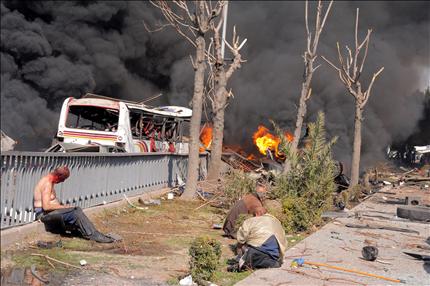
column 136, row 124
column 184, row 131
column 92, row 118
column 171, row 133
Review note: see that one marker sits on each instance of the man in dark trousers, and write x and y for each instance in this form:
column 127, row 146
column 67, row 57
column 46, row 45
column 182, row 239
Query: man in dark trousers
column 249, row 204
column 261, row 243
column 56, row 217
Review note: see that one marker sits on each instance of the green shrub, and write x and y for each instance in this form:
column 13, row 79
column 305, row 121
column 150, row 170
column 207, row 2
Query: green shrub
column 204, row 254
column 306, row 191
column 237, row 184
column 296, row 216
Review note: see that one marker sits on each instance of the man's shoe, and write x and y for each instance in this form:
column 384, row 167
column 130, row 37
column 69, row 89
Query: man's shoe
column 100, row 237
column 233, row 268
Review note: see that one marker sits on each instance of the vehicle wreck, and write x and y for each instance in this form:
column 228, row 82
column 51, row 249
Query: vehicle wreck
column 97, row 123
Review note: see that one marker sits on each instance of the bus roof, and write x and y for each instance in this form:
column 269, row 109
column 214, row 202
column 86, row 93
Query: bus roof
column 108, row 102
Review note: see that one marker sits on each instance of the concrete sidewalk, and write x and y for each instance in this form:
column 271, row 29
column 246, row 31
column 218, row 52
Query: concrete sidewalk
column 338, row 245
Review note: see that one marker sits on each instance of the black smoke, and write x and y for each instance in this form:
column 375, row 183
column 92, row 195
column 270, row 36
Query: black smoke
column 51, row 50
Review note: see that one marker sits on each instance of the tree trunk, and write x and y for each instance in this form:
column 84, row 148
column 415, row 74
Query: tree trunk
column 193, row 157
column 218, row 124
column 356, row 151
column 301, row 113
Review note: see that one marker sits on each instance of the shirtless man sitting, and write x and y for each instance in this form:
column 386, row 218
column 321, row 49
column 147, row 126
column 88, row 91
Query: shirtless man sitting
column 56, row 216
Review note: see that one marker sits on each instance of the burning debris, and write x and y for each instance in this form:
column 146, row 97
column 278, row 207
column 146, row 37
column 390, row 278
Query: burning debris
column 267, row 143
column 206, row 137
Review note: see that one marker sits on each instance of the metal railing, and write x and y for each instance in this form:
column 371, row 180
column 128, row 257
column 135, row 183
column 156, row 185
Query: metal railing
column 94, row 178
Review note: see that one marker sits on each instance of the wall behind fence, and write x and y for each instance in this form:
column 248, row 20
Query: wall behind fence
column 94, row 178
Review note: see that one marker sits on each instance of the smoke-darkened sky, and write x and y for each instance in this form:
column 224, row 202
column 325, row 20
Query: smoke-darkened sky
column 51, row 50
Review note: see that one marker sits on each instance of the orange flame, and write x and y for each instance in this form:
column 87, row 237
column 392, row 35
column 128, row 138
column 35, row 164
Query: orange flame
column 251, row 157
column 206, row 137
column 264, row 140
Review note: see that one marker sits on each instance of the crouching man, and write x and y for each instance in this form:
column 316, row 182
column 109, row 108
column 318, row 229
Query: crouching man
column 261, row 243
column 249, row 204
column 59, row 218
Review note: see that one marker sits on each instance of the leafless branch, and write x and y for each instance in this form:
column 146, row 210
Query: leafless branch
column 331, row 64
column 367, row 93
column 351, row 78
column 326, row 15
column 159, row 28
column 318, row 20
column 367, row 40
column 307, row 25
column 235, row 48
column 309, row 94
column 192, row 62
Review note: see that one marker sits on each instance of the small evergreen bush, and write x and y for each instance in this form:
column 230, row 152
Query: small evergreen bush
column 237, row 184
column 204, row 254
column 306, row 191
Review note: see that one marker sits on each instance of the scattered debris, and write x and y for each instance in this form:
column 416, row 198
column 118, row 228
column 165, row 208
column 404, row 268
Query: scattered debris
column 237, row 161
column 187, row 281
column 334, row 214
column 425, row 258
column 49, row 244
column 170, row 196
column 134, row 206
column 217, row 226
column 34, row 273
column 370, row 253
column 300, row 262
column 413, row 201
column 381, row 227
column 417, row 213
column 83, row 262
column 150, row 202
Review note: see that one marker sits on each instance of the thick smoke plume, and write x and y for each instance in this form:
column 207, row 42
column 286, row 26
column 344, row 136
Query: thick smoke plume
column 51, row 50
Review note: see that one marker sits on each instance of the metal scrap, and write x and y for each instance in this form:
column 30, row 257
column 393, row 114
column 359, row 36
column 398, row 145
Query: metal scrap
column 392, row 228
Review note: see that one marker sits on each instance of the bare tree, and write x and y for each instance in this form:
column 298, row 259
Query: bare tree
column 349, row 71
column 309, row 57
column 221, row 73
column 192, row 26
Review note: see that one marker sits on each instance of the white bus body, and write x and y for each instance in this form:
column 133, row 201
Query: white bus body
column 121, row 125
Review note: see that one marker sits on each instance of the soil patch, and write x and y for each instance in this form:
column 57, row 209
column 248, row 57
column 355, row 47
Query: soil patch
column 154, row 250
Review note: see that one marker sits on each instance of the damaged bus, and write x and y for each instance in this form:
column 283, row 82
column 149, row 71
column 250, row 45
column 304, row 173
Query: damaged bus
column 97, row 123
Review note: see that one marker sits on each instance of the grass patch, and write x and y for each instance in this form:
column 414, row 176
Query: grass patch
column 77, row 244
column 224, row 278
column 25, row 260
column 178, row 242
column 294, row 239
column 173, row 281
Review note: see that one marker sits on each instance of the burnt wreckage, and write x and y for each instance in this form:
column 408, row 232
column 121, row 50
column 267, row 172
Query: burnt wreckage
column 97, row 123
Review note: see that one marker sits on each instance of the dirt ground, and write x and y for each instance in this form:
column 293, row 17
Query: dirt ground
column 154, row 250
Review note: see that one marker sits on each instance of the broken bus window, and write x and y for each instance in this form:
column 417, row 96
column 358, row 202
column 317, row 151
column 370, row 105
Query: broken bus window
column 92, row 118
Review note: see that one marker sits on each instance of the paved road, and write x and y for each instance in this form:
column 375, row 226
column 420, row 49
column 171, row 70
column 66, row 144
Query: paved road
column 338, row 245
